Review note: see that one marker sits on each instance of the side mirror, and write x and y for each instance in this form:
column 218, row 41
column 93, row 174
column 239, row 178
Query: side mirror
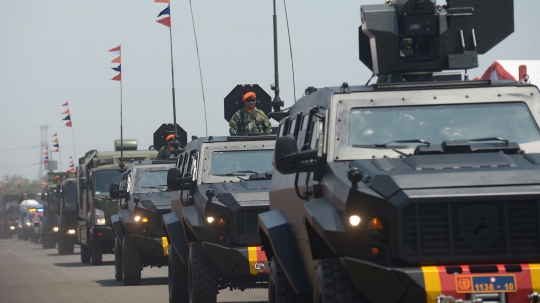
column 174, row 182
column 82, row 181
column 116, row 193
column 113, row 191
column 289, row 160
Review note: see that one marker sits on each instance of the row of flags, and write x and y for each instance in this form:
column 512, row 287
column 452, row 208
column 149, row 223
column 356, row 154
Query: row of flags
column 66, row 111
column 117, row 51
column 6, row 182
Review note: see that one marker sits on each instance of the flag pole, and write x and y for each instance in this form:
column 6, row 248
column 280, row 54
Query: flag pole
column 172, row 77
column 121, row 165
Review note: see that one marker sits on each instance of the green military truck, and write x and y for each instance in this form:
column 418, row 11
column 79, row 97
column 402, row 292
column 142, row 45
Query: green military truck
column 50, row 199
column 96, row 171
column 67, row 217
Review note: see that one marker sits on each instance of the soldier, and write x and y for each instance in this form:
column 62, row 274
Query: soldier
column 165, row 151
column 249, row 119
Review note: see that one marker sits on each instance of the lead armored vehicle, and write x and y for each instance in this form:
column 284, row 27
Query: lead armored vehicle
column 51, row 199
column 418, row 188
column 138, row 226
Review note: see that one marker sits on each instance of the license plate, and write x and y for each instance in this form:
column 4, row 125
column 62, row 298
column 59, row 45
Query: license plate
column 485, row 284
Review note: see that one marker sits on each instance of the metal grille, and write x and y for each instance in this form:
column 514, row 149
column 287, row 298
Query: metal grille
column 247, row 225
column 158, row 222
column 471, row 229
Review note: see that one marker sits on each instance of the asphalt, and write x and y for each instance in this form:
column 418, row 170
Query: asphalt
column 29, row 273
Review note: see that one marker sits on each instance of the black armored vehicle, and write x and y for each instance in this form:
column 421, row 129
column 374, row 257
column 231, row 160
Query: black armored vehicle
column 67, row 217
column 220, row 186
column 143, row 200
column 418, row 188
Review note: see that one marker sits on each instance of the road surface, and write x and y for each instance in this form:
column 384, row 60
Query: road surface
column 29, row 273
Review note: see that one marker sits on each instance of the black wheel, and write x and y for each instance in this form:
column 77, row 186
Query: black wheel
column 202, row 276
column 280, row 289
column 85, row 254
column 117, row 260
column 19, row 236
column 334, row 284
column 97, row 255
column 47, row 242
column 178, row 282
column 25, row 236
column 131, row 262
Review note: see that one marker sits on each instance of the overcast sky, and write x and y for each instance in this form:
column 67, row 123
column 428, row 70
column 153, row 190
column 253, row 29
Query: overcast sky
column 56, row 51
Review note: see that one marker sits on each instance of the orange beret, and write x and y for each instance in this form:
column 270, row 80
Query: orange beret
column 57, row 177
column 169, row 137
column 249, row 95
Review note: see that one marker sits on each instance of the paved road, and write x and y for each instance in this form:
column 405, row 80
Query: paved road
column 29, row 273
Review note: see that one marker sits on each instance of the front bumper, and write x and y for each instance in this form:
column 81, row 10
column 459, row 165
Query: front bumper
column 102, row 234
column 425, row 284
column 151, row 246
column 237, row 261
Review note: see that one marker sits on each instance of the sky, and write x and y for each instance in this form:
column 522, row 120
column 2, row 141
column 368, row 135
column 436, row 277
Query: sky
column 56, row 51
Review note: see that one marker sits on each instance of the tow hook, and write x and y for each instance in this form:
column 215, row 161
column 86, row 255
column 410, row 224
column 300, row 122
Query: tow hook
column 449, row 299
column 260, row 267
column 533, row 297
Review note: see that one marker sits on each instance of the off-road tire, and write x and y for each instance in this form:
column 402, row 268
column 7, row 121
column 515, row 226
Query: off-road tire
column 97, row 254
column 280, row 289
column 61, row 250
column 85, row 254
column 48, row 242
column 178, row 282
column 202, row 276
column 69, row 248
column 25, row 237
column 117, row 260
column 334, row 285
column 131, row 262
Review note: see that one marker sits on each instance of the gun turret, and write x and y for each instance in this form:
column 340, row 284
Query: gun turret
column 408, row 36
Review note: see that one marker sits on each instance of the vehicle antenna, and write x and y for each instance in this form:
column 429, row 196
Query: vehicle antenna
column 276, row 103
column 290, row 49
column 200, row 72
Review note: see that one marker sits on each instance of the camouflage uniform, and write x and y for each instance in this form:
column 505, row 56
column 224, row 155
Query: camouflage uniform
column 243, row 122
column 165, row 152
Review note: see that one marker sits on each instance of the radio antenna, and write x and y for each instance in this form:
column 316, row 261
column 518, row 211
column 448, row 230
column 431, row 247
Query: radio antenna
column 276, row 103
column 290, row 48
column 200, row 72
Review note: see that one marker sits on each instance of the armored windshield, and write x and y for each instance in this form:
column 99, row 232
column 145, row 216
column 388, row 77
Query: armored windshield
column 241, row 163
column 437, row 123
column 149, row 179
column 71, row 193
column 103, row 180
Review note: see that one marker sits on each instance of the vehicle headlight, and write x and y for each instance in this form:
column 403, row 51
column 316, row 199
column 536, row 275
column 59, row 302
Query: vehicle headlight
column 71, row 232
column 100, row 216
column 12, row 227
column 28, row 223
column 55, row 229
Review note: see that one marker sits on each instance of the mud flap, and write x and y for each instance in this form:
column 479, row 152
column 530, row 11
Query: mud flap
column 115, row 219
column 177, row 237
column 275, row 228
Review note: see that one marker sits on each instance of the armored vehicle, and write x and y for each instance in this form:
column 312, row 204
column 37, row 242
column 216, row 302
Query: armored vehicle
column 220, row 186
column 67, row 217
column 96, row 171
column 51, row 199
column 414, row 189
column 143, row 200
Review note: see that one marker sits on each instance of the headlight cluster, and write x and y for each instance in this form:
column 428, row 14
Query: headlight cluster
column 140, row 219
column 28, row 223
column 220, row 222
column 375, row 226
column 99, row 216
column 55, row 229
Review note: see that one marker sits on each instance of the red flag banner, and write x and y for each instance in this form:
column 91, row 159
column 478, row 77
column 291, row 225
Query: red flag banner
column 117, row 60
column 66, row 112
column 115, row 50
column 117, row 77
column 55, row 140
column 69, row 123
column 162, row 1
column 55, row 134
column 65, row 104
column 56, row 151
column 165, row 21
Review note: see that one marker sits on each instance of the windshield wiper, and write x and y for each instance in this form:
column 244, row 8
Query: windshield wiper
column 155, row 187
column 491, row 139
column 238, row 172
column 387, row 145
